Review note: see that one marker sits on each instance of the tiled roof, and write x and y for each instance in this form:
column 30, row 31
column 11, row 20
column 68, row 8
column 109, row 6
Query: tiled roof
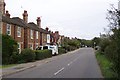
column 19, row 22
column 7, row 20
column 16, row 21
column 35, row 27
column 44, row 31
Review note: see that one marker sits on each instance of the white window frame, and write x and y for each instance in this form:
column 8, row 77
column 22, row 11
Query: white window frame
column 36, row 34
column 31, row 34
column 19, row 47
column 48, row 38
column 37, row 45
column 31, row 46
column 18, row 31
column 8, row 30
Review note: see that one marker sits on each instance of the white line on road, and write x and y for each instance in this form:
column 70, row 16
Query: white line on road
column 72, row 61
column 59, row 71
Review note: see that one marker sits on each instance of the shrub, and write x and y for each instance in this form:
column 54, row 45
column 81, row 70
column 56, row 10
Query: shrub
column 27, row 55
column 61, row 50
column 15, row 57
column 9, row 46
column 103, row 44
column 41, row 54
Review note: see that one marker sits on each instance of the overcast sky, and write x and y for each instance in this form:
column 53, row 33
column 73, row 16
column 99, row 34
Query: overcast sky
column 73, row 18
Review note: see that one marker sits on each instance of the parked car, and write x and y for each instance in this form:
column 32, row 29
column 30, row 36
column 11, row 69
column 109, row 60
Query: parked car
column 54, row 48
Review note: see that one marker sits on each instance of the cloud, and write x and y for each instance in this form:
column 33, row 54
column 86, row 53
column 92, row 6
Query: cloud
column 74, row 18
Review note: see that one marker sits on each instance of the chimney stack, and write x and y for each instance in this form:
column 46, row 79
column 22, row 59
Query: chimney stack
column 57, row 32
column 25, row 16
column 39, row 22
column 7, row 14
column 47, row 28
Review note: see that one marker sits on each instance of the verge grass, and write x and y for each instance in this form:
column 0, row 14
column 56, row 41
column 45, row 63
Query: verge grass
column 105, row 65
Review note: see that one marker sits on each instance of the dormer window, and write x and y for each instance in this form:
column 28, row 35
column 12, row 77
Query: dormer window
column 18, row 31
column 8, row 31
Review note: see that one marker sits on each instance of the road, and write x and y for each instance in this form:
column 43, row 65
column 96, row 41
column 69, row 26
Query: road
column 79, row 64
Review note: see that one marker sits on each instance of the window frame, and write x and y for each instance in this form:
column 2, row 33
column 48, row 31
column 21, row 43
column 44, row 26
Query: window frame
column 31, row 47
column 31, row 34
column 37, row 45
column 19, row 47
column 37, row 34
column 18, row 32
column 8, row 30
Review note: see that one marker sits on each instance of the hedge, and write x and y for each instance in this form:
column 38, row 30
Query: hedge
column 41, row 54
column 27, row 55
column 61, row 50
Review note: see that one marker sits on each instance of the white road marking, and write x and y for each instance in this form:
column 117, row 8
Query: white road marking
column 68, row 64
column 59, row 71
column 72, row 61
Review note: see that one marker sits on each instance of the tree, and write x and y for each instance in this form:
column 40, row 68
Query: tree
column 96, row 40
column 112, row 51
column 9, row 46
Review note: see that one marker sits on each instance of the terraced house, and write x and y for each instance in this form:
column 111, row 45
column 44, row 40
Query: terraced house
column 14, row 27
column 28, row 35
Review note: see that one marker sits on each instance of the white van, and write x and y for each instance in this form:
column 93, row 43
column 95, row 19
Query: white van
column 54, row 48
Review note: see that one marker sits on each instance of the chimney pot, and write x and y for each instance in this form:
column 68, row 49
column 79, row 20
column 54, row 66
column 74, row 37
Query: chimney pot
column 7, row 14
column 25, row 16
column 38, row 21
column 47, row 28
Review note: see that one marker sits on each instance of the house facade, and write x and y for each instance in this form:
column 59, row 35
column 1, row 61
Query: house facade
column 28, row 35
column 34, row 36
column 44, row 33
column 15, row 29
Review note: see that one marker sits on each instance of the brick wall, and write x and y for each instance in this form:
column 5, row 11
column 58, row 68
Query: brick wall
column 14, row 33
column 44, row 39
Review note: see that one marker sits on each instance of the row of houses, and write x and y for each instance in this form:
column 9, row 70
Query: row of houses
column 27, row 34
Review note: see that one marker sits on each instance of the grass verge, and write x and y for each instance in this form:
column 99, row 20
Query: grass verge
column 105, row 65
column 7, row 66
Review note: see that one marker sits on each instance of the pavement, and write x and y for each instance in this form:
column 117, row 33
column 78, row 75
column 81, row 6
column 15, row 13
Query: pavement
column 25, row 66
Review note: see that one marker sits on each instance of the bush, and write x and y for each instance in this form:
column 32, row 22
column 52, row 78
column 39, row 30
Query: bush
column 41, row 54
column 61, row 50
column 9, row 47
column 27, row 55
column 103, row 44
column 15, row 58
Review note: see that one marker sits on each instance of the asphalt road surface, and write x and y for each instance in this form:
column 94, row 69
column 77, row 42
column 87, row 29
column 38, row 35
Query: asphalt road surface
column 79, row 64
